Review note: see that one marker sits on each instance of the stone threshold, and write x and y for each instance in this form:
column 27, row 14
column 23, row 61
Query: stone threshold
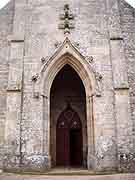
column 62, row 171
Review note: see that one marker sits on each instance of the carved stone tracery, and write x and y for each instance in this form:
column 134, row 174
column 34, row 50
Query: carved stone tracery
column 46, row 61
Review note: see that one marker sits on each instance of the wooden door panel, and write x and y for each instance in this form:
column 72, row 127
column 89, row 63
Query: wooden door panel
column 69, row 139
column 62, row 149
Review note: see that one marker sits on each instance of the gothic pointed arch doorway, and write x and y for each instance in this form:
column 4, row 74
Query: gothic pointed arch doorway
column 68, row 119
column 81, row 79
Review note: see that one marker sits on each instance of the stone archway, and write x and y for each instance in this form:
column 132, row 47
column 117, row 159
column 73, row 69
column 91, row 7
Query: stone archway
column 67, row 54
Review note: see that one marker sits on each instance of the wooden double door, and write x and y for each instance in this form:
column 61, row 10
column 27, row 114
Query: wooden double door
column 69, row 140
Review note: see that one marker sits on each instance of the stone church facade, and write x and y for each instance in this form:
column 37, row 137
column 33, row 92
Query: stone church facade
column 67, row 86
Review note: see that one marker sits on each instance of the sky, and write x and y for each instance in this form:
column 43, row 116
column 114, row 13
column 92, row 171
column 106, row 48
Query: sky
column 131, row 2
column 4, row 2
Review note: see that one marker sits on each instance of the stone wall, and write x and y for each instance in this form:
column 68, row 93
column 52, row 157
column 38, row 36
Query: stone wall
column 6, row 24
column 127, row 16
column 91, row 34
column 99, row 31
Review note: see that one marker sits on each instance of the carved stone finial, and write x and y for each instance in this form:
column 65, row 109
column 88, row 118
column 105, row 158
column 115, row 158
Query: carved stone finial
column 35, row 77
column 76, row 44
column 89, row 59
column 99, row 78
column 43, row 60
column 58, row 44
column 66, row 7
column 66, row 17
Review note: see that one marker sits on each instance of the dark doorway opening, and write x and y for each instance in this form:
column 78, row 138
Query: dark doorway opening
column 76, row 147
column 68, row 120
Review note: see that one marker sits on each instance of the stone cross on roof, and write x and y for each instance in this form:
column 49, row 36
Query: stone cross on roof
column 67, row 17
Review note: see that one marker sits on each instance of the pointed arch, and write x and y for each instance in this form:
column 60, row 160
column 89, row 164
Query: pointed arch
column 67, row 54
column 84, row 73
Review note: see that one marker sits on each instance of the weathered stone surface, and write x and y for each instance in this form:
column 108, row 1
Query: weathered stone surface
column 101, row 49
column 6, row 25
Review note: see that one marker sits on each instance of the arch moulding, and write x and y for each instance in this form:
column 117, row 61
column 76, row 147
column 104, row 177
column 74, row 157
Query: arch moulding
column 67, row 54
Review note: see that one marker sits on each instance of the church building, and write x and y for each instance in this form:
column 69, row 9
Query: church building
column 67, row 85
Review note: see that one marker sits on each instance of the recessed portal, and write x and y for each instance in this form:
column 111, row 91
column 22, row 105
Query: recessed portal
column 68, row 120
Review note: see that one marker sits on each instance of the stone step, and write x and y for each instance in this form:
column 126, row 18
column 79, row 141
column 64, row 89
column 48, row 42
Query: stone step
column 63, row 172
column 69, row 171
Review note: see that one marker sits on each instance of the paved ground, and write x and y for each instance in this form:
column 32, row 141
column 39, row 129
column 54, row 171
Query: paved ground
column 26, row 177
